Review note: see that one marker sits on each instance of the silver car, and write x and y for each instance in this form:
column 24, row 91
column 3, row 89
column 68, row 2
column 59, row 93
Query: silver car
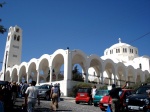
column 44, row 91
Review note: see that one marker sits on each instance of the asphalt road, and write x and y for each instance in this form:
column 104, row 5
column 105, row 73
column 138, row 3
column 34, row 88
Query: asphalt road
column 65, row 105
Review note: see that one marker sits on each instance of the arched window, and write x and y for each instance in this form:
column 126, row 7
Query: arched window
column 15, row 37
column 17, row 29
column 18, row 38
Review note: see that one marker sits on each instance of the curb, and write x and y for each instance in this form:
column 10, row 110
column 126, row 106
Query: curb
column 67, row 98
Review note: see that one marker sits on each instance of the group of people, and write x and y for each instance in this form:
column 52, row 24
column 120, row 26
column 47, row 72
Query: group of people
column 9, row 91
column 32, row 95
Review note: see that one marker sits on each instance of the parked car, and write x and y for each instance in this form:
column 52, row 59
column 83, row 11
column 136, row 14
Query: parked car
column 6, row 96
column 107, row 100
column 99, row 94
column 84, row 96
column 139, row 100
column 44, row 91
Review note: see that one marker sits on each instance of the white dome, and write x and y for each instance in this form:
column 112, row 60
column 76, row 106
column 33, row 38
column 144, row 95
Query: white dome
column 121, row 51
column 119, row 45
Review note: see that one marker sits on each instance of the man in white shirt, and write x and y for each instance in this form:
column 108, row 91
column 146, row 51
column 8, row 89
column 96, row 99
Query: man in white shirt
column 31, row 96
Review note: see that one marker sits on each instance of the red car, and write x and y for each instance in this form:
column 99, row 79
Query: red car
column 84, row 96
column 106, row 100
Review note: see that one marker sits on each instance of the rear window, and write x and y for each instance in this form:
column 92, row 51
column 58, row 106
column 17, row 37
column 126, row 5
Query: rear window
column 142, row 90
column 102, row 93
column 84, row 90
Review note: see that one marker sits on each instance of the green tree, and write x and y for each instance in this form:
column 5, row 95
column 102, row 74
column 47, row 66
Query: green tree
column 2, row 28
column 76, row 75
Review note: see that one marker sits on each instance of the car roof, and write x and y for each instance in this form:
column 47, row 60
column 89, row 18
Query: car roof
column 85, row 88
column 127, row 89
column 4, row 82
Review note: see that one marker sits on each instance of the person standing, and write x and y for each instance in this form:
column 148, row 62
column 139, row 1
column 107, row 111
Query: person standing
column 31, row 96
column 94, row 89
column 114, row 94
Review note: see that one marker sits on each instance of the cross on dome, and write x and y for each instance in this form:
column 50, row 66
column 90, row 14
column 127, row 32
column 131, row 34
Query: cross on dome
column 119, row 40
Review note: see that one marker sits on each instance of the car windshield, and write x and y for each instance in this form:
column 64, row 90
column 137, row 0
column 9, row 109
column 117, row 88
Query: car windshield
column 101, row 92
column 37, row 87
column 44, row 87
column 142, row 90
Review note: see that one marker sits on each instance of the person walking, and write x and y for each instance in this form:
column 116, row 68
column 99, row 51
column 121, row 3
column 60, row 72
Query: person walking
column 14, row 91
column 114, row 94
column 23, row 88
column 54, row 96
column 31, row 96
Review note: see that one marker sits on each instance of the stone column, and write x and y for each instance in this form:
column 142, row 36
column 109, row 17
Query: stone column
column 38, row 74
column 51, row 73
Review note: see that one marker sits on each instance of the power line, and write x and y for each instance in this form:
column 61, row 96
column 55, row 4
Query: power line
column 140, row 37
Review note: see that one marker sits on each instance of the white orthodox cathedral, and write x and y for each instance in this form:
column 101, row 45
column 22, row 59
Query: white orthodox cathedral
column 120, row 63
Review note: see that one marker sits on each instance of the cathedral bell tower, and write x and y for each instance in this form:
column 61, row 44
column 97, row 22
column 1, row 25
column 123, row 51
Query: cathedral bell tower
column 13, row 50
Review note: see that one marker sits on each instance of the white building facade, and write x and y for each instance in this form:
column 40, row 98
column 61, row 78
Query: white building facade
column 120, row 63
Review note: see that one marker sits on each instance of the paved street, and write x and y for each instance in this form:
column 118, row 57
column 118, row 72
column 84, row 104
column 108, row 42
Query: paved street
column 64, row 105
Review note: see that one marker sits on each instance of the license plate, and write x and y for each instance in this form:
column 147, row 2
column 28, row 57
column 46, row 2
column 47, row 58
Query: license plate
column 81, row 94
column 134, row 107
column 105, row 104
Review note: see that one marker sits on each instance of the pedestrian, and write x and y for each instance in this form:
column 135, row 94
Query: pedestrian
column 59, row 92
column 114, row 94
column 14, row 91
column 54, row 96
column 31, row 96
column 94, row 89
column 23, row 88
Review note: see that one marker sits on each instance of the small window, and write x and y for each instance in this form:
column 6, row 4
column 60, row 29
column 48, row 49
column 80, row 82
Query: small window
column 15, row 56
column 15, row 37
column 130, row 51
column 136, row 52
column 140, row 66
column 118, row 50
column 125, row 49
column 8, row 38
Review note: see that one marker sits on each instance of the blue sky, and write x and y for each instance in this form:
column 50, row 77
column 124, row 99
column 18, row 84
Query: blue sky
column 88, row 25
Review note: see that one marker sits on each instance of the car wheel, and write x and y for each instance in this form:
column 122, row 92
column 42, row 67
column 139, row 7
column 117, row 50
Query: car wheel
column 90, row 102
column 77, row 102
column 47, row 97
column 103, row 109
column 95, row 104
